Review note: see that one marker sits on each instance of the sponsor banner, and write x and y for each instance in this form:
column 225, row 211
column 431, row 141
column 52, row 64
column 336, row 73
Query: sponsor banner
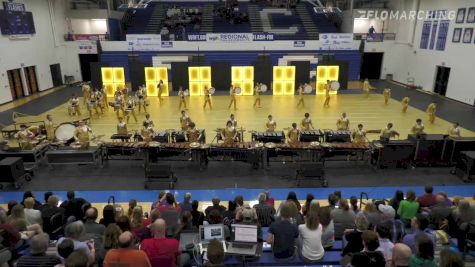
column 144, row 42
column 92, row 37
column 263, row 36
column 86, row 47
column 12, row 6
column 229, row 37
column 299, row 43
column 198, row 37
column 336, row 41
column 167, row 44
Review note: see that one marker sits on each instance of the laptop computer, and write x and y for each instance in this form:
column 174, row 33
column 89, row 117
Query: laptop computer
column 244, row 239
column 210, row 232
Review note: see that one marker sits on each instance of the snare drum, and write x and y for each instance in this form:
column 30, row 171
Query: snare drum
column 65, row 132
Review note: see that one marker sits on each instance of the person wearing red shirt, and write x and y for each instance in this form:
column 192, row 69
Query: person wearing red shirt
column 126, row 255
column 169, row 204
column 163, row 251
column 428, row 199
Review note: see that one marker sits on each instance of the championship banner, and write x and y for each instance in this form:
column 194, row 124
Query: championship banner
column 144, row 42
column 336, row 41
column 230, row 37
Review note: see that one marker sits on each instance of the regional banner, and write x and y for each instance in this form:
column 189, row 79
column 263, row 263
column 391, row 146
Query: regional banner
column 144, row 42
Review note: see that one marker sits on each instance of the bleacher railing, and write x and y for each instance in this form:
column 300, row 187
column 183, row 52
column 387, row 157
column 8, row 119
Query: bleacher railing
column 375, row 37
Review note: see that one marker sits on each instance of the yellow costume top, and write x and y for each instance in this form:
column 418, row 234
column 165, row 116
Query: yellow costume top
column 122, row 128
column 387, row 93
column 50, row 135
column 293, row 135
column 160, row 89
column 300, row 91
column 86, row 91
column 24, row 138
column 193, row 135
column 146, row 134
column 359, row 136
column 232, row 92
column 343, row 124
column 431, row 108
column 149, row 122
column 366, row 85
column 417, row 128
column 181, row 94
column 81, row 134
column 74, row 101
column 257, row 91
column 454, row 132
column 184, row 122
column 229, row 133
column 207, row 94
column 306, row 123
column 270, row 126
column 327, row 91
column 388, row 133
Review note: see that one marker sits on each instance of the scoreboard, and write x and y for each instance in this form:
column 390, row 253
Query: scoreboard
column 14, row 20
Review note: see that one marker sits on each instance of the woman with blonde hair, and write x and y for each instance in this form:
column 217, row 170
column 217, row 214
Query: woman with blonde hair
column 310, row 241
column 138, row 222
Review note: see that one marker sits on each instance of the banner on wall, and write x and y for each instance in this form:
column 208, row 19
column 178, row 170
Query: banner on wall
column 336, row 41
column 87, row 47
column 144, row 42
column 230, row 37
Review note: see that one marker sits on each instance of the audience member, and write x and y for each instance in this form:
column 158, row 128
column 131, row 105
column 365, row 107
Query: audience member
column 47, row 195
column 186, row 225
column 92, row 229
column 354, row 204
column 219, row 208
column 424, row 254
column 464, row 213
column 343, row 218
column 427, row 200
column 161, row 200
column 198, row 216
column 138, row 222
column 396, row 200
column 216, row 218
column 448, row 202
column 400, row 256
column 28, row 194
column 449, row 258
column 11, row 204
column 292, row 197
column 108, row 215
column 396, row 227
column 49, row 210
column 65, row 249
column 408, row 207
column 310, row 233
column 186, row 204
column 305, row 207
column 215, row 254
column 38, row 256
column 110, row 240
column 269, row 200
column 124, row 223
column 73, row 207
column 328, row 228
column 440, row 214
column 265, row 213
column 17, row 218
column 384, row 237
column 77, row 259
column 229, row 215
column 32, row 216
column 419, row 225
column 354, row 237
column 170, row 204
column 147, row 233
column 282, row 234
column 126, row 254
column 333, row 201
column 372, row 214
column 132, row 205
column 369, row 257
column 75, row 231
column 9, row 236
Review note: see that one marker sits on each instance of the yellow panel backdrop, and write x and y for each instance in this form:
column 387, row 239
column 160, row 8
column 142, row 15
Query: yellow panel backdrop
column 284, row 80
column 199, row 77
column 242, row 77
column 325, row 73
column 113, row 79
column 153, row 75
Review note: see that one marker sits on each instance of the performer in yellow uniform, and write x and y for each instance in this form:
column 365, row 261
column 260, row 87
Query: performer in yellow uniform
column 125, row 93
column 82, row 134
column 306, row 123
column 270, row 125
column 431, row 109
column 97, row 95
column 455, row 130
column 130, row 109
column 122, row 128
column 50, row 128
column 148, row 120
column 185, row 121
column 207, row 98
column 366, row 88
column 141, row 95
column 405, row 104
column 92, row 104
column 301, row 101
column 160, row 87
column 104, row 98
column 193, row 134
column 343, row 123
column 232, row 94
column 181, row 95
column 232, row 120
column 257, row 93
column 293, row 134
column 229, row 133
column 359, row 135
column 326, row 104
column 418, row 128
column 25, row 137
column 147, row 132
column 387, row 95
column 86, row 93
column 74, row 108
column 119, row 104
column 388, row 132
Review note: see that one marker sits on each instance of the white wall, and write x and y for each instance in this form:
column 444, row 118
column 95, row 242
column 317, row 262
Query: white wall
column 89, row 26
column 44, row 48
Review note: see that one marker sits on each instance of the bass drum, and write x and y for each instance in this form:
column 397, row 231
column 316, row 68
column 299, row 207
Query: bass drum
column 65, row 132
column 308, row 89
column 238, row 90
column 263, row 88
column 335, row 85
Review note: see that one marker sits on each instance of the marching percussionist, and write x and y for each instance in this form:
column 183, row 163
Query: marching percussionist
column 193, row 134
column 147, row 132
column 300, row 92
column 405, row 104
column 232, row 120
column 181, row 95
column 141, row 95
column 387, row 95
column 25, row 137
column 104, row 97
column 119, row 104
column 50, row 128
column 418, row 128
column 130, row 109
column 73, row 108
column 257, row 93
column 455, row 130
column 388, row 132
column 229, row 133
column 86, row 93
column 122, row 127
column 293, row 134
column 431, row 109
column 207, row 93
column 160, row 87
column 306, row 122
column 359, row 135
column 185, row 121
column 82, row 134
column 148, row 120
column 232, row 94
column 270, row 125
column 98, row 96
column 326, row 104
column 343, row 123
column 125, row 93
column 92, row 104
column 366, row 87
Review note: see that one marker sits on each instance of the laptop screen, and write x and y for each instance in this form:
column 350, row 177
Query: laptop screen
column 212, row 231
column 244, row 233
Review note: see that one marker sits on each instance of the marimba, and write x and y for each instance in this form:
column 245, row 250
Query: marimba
column 266, row 137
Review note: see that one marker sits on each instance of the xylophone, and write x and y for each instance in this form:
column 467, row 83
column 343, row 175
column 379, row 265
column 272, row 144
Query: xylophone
column 337, row 136
column 265, row 137
column 311, row 136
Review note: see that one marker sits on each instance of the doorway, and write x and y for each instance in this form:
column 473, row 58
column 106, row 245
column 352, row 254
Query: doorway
column 441, row 80
column 31, row 82
column 16, row 83
column 55, row 70
column 371, row 67
column 85, row 61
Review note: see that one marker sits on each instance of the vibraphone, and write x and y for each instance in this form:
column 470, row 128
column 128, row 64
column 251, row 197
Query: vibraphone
column 265, row 137
column 121, row 137
column 311, row 136
column 248, row 152
column 161, row 137
column 330, row 150
column 301, row 152
column 337, row 136
column 126, row 149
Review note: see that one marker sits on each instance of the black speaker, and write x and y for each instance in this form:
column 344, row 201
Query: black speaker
column 11, row 169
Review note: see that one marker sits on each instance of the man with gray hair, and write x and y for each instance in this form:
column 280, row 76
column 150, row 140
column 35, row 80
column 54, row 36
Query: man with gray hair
column 126, row 254
column 38, row 256
column 265, row 213
column 76, row 232
column 186, row 204
column 221, row 209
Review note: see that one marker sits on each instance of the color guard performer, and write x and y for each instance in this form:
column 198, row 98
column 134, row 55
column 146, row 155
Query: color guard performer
column 98, row 95
column 359, row 135
column 25, row 137
column 130, row 109
column 74, row 108
column 387, row 95
column 229, row 134
column 147, row 132
column 86, row 93
column 125, row 93
column 405, row 104
column 326, row 104
column 388, row 132
column 193, row 134
column 366, row 88
column 306, row 123
column 257, row 93
column 232, row 120
column 207, row 98
column 293, row 134
column 141, row 95
column 185, row 121
column 92, row 104
column 148, row 120
column 301, row 101
column 232, row 94
column 82, row 134
column 270, row 125
column 343, row 123
column 50, row 128
column 181, row 95
column 455, row 130
column 119, row 104
column 431, row 110
column 104, row 98
column 418, row 128
column 117, row 92
column 160, row 87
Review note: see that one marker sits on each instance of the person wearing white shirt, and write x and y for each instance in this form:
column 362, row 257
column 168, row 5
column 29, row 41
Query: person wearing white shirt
column 32, row 216
column 310, row 236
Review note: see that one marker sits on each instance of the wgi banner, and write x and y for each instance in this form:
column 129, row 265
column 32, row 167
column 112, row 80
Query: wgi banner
column 338, row 41
column 229, row 37
column 144, row 42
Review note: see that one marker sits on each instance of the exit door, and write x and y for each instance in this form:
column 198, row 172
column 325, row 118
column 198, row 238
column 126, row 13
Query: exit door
column 371, row 67
column 31, row 82
column 16, row 84
column 441, row 80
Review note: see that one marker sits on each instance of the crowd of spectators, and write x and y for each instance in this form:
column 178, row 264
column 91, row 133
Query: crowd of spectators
column 178, row 18
column 404, row 231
